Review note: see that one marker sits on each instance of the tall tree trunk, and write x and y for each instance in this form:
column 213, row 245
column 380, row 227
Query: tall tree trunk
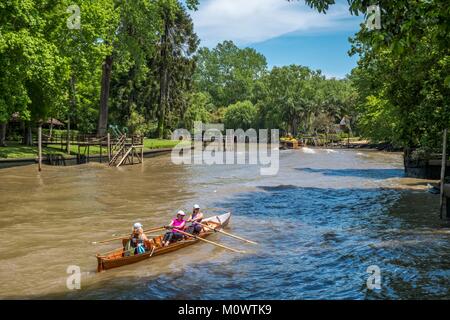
column 163, row 82
column 73, row 103
column 24, row 133
column 162, row 104
column 28, row 135
column 294, row 127
column 40, row 147
column 104, row 96
column 3, row 134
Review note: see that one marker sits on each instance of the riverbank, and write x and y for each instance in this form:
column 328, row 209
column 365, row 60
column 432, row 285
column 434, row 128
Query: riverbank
column 366, row 145
column 18, row 151
column 19, row 155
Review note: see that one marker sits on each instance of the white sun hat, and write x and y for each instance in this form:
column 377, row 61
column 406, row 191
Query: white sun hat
column 181, row 213
column 137, row 225
column 196, row 206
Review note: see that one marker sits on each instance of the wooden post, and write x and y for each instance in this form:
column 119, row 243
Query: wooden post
column 101, row 147
column 40, row 147
column 443, row 166
column 68, row 136
column 109, row 146
column 3, row 134
column 51, row 128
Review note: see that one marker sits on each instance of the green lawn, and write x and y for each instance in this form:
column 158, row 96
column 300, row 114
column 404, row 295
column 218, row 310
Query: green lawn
column 15, row 150
column 159, row 143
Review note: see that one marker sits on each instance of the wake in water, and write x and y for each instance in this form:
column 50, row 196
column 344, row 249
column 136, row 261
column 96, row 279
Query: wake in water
column 312, row 151
column 308, row 150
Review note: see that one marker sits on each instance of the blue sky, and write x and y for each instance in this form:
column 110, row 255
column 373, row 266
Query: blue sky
column 285, row 32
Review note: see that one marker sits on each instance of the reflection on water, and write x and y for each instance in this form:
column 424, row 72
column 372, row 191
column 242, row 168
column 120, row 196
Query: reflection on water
column 320, row 223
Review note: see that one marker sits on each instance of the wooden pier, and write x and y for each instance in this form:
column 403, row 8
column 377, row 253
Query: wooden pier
column 125, row 150
column 116, row 151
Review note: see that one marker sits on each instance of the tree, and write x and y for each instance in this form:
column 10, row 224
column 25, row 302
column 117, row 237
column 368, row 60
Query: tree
column 177, row 44
column 134, row 38
column 84, row 48
column 286, row 97
column 33, row 69
column 150, row 60
column 404, row 69
column 200, row 108
column 378, row 120
column 241, row 115
column 228, row 73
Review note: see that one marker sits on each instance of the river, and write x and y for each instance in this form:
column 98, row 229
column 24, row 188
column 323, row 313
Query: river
column 321, row 222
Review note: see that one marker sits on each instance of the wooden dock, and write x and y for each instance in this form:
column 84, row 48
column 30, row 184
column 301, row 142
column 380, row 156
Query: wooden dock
column 116, row 151
column 125, row 150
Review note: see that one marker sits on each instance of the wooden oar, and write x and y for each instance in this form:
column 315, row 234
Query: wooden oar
column 228, row 234
column 125, row 236
column 207, row 241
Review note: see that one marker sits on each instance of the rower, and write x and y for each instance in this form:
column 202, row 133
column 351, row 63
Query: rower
column 178, row 223
column 195, row 218
column 137, row 240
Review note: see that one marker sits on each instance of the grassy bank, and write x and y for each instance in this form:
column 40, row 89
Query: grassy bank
column 16, row 151
column 159, row 144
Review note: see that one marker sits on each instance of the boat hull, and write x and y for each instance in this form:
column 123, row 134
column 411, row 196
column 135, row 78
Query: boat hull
column 116, row 258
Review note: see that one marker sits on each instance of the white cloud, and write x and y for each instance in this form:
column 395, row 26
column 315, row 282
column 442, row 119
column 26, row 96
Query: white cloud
column 252, row 21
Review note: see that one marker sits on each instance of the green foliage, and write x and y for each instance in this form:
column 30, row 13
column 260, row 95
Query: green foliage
column 398, row 93
column 241, row 115
column 32, row 68
column 229, row 74
column 51, row 70
column 403, row 71
column 377, row 120
column 293, row 97
column 199, row 109
column 178, row 43
column 137, row 123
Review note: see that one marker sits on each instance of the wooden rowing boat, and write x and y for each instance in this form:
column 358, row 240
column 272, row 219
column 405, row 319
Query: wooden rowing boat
column 117, row 258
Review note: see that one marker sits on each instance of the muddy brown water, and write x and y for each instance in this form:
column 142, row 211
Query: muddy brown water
column 321, row 221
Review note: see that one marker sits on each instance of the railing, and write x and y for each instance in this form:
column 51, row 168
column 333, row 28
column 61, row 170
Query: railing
column 117, row 149
column 125, row 147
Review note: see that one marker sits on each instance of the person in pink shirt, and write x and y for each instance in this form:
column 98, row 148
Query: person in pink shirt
column 179, row 224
